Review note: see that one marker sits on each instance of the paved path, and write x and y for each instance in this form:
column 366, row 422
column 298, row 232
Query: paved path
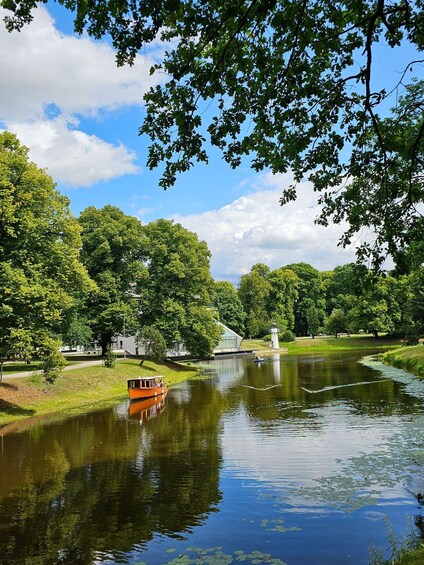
column 21, row 374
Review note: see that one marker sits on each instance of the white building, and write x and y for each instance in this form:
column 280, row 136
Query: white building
column 229, row 343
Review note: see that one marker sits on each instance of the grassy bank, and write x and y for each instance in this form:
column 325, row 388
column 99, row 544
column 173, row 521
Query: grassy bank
column 409, row 358
column 325, row 343
column 85, row 388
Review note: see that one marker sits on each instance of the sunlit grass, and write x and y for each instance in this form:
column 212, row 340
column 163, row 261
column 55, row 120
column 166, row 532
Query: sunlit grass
column 410, row 358
column 325, row 343
column 80, row 388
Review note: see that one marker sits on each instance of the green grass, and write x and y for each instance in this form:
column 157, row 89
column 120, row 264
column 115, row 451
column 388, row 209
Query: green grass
column 18, row 366
column 410, row 358
column 325, row 343
column 80, row 389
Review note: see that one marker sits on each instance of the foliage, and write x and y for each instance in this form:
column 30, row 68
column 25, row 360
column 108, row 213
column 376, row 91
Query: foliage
column 312, row 320
column 286, row 336
column 379, row 306
column 76, row 330
column 341, row 284
column 114, row 250
column 268, row 297
column 153, row 342
column 52, row 359
column 288, row 83
column 229, row 306
column 336, row 322
column 413, row 327
column 109, row 358
column 253, row 292
column 282, row 297
column 310, row 293
column 179, row 288
column 41, row 274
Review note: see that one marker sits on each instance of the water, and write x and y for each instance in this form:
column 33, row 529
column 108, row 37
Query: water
column 307, row 460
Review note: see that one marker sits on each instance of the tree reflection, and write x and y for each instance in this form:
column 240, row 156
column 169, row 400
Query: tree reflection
column 101, row 485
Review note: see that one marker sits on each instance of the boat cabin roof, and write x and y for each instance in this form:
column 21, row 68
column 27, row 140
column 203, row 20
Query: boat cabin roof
column 155, row 377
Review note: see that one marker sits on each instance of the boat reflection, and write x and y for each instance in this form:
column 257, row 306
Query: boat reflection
column 145, row 409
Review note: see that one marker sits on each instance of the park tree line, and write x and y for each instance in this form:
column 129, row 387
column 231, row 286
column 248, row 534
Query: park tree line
column 302, row 301
column 79, row 281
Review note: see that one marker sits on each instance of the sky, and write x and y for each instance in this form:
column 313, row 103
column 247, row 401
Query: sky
column 79, row 115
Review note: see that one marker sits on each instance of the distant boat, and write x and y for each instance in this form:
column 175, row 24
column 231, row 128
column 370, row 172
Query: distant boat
column 146, row 387
column 148, row 408
column 259, row 359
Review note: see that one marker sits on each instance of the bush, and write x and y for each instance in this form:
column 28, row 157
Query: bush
column 287, row 336
column 110, row 359
column 52, row 364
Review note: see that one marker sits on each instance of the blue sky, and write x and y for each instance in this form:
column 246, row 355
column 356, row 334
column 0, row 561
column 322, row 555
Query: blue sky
column 79, row 115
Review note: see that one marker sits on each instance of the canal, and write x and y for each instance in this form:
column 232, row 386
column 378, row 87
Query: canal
column 297, row 460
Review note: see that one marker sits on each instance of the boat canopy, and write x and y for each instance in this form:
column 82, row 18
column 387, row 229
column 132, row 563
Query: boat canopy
column 146, row 382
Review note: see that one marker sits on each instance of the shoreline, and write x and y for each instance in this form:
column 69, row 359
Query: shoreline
column 81, row 390
column 86, row 386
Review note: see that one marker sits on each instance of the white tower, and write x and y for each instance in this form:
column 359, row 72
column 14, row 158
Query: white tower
column 274, row 337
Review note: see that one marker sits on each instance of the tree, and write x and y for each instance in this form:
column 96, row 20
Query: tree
column 336, row 322
column 76, row 329
column 386, row 191
column 114, row 249
column 379, row 307
column 342, row 284
column 282, row 298
column 153, row 342
column 415, row 305
column 179, row 288
column 253, row 292
column 310, row 293
column 41, row 275
column 292, row 84
column 230, row 309
column 312, row 320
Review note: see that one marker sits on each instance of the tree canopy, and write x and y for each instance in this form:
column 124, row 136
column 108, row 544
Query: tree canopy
column 114, row 248
column 179, row 288
column 41, row 275
column 291, row 84
column 229, row 306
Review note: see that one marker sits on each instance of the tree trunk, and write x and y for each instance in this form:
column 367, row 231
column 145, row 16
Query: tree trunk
column 105, row 340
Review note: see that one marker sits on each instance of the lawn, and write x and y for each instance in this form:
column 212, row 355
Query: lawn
column 324, row 343
column 80, row 389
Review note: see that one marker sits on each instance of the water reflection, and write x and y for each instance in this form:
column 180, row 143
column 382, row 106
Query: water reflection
column 101, row 483
column 246, row 451
column 142, row 410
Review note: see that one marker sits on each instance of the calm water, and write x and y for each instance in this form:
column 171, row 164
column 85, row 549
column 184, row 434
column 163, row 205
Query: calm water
column 299, row 460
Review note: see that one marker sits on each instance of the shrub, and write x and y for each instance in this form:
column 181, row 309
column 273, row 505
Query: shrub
column 110, row 359
column 287, row 336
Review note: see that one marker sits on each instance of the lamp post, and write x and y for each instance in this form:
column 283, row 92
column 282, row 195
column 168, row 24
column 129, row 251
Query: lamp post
column 125, row 345
column 125, row 349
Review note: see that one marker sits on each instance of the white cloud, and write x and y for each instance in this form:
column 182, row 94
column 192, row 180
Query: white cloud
column 256, row 229
column 42, row 66
column 71, row 156
column 45, row 70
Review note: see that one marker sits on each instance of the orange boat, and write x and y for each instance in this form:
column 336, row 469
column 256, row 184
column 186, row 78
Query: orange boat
column 146, row 387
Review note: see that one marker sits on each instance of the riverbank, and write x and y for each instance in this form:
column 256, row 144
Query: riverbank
column 81, row 389
column 85, row 388
column 320, row 344
column 410, row 358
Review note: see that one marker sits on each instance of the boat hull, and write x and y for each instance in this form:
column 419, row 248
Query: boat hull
column 141, row 393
